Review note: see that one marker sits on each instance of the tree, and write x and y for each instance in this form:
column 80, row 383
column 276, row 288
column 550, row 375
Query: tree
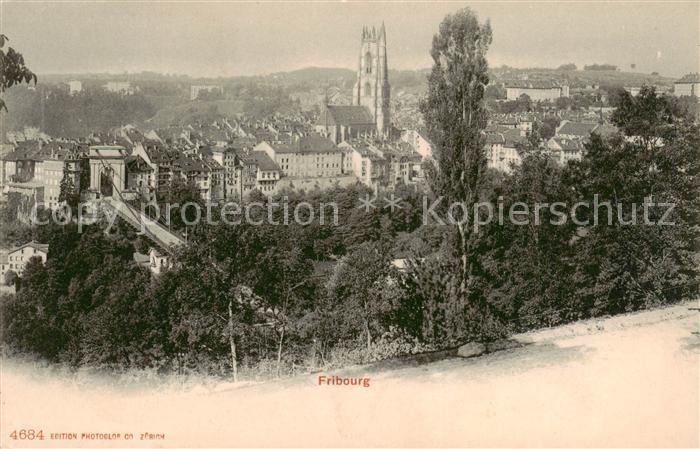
column 563, row 103
column 648, row 117
column 526, row 266
column 180, row 193
column 625, row 267
column 455, row 117
column 524, row 103
column 549, row 127
column 68, row 192
column 123, row 328
column 12, row 69
column 600, row 67
column 493, row 91
column 31, row 323
column 10, row 277
column 356, row 287
column 432, row 308
column 567, row 67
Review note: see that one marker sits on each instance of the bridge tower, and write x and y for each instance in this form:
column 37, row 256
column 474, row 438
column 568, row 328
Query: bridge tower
column 107, row 167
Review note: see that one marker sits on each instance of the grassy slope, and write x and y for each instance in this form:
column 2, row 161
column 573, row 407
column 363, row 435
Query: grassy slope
column 628, row 381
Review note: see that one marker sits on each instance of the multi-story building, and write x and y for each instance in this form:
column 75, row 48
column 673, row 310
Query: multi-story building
column 44, row 167
column 564, row 149
column 403, row 164
column 217, row 174
column 231, row 177
column 120, row 87
column 17, row 258
column 141, row 178
column 311, row 156
column 210, row 88
column 537, row 91
column 367, row 163
column 419, row 141
column 502, row 149
column 248, row 173
column 267, row 174
column 161, row 159
column 74, row 87
column 689, row 85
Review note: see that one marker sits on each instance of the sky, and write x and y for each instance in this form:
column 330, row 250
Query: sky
column 226, row 38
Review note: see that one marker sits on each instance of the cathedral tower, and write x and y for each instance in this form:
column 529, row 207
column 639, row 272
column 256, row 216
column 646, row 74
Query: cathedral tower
column 372, row 87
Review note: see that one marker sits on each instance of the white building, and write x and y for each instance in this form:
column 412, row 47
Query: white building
column 501, row 153
column 419, row 142
column 42, row 168
column 564, row 149
column 542, row 91
column 366, row 162
column 74, row 87
column 122, row 87
column 16, row 259
column 689, row 85
column 155, row 261
column 311, row 156
column 196, row 90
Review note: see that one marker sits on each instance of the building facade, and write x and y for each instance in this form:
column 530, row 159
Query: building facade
column 536, row 91
column 17, row 258
column 312, row 156
column 689, row 85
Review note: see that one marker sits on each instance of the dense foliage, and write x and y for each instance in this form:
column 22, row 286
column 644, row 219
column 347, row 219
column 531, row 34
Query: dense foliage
column 13, row 70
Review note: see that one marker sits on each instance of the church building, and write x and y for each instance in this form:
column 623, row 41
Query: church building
column 369, row 113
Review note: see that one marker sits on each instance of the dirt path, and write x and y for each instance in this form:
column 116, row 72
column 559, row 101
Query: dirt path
column 623, row 381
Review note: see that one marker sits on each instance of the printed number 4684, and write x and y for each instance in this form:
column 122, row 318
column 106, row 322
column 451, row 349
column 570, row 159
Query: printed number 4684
column 27, row 434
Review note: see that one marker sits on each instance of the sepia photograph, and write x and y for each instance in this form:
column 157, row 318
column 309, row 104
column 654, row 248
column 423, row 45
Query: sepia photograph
column 232, row 223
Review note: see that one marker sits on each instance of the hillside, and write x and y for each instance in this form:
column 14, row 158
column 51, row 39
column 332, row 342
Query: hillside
column 629, row 380
column 183, row 112
column 164, row 99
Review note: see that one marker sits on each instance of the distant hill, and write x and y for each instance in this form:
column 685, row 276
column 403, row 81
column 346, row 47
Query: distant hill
column 314, row 75
column 164, row 99
column 195, row 111
column 604, row 78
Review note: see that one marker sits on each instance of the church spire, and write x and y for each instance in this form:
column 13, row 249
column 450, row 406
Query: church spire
column 372, row 89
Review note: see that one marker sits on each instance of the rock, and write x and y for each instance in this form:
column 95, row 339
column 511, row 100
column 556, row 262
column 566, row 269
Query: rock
column 471, row 349
column 500, row 345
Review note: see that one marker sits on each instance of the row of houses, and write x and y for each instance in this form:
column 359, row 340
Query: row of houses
column 503, row 143
column 234, row 170
column 148, row 167
column 36, row 169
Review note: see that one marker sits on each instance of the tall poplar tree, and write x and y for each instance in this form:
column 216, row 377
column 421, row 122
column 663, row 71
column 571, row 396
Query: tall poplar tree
column 455, row 117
